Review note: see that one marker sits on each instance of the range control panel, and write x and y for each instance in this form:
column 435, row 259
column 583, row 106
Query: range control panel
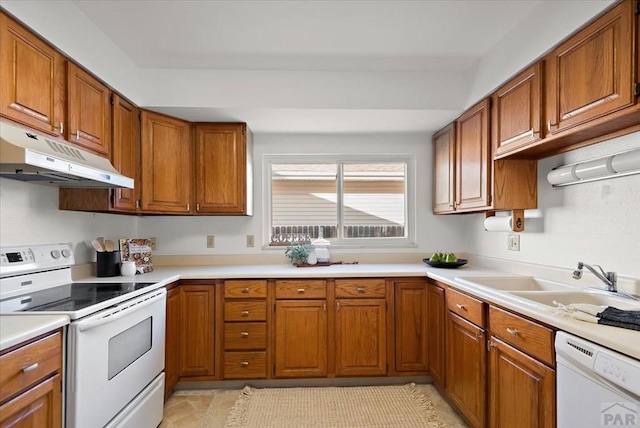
column 24, row 259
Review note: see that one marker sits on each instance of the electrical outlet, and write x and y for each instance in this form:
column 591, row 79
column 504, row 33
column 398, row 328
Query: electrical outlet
column 250, row 240
column 153, row 241
column 513, row 242
column 211, row 241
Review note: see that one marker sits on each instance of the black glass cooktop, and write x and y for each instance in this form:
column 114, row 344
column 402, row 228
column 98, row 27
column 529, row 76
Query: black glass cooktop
column 70, row 297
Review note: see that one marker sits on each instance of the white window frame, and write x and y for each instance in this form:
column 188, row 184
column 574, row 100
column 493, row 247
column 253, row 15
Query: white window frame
column 409, row 241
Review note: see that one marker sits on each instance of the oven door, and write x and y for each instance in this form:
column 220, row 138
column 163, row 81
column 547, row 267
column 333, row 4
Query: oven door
column 112, row 357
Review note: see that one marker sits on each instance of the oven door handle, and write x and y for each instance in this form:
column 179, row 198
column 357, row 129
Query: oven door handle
column 121, row 310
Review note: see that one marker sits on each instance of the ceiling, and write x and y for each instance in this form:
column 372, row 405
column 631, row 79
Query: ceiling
column 300, row 66
column 306, row 35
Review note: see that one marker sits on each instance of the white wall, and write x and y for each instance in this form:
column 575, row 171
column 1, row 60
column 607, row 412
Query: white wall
column 187, row 235
column 597, row 222
column 29, row 215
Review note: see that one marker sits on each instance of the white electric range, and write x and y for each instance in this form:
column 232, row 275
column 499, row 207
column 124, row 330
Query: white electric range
column 114, row 357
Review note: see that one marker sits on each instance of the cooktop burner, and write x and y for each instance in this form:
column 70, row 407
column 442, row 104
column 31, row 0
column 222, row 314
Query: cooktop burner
column 70, row 297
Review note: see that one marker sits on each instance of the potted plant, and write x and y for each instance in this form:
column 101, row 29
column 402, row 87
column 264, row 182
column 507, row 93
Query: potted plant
column 299, row 254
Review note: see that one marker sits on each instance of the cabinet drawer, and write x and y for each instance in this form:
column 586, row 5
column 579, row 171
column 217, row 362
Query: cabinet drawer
column 245, row 289
column 528, row 336
column 245, row 335
column 466, row 306
column 245, row 365
column 296, row 289
column 365, row 288
column 30, row 363
column 245, row 311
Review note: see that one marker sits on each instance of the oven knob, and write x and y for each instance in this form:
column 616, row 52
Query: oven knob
column 55, row 254
column 66, row 253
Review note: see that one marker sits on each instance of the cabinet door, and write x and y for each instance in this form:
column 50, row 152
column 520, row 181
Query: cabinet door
column 516, row 119
column 33, row 83
column 126, row 151
column 39, row 406
column 444, row 161
column 466, row 365
column 166, row 164
column 473, row 158
column 436, row 323
column 522, row 390
column 221, row 169
column 172, row 341
column 301, row 338
column 591, row 74
column 361, row 337
column 411, row 310
column 88, row 111
column 197, row 352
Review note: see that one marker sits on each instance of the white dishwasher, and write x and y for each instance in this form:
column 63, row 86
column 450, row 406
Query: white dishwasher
column 596, row 387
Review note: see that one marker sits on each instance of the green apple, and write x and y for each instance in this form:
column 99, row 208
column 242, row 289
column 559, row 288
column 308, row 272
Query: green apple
column 451, row 258
column 435, row 258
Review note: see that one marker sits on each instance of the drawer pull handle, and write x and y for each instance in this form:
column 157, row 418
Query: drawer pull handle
column 245, row 290
column 360, row 289
column 512, row 331
column 30, row 368
column 461, row 307
column 244, row 313
column 244, row 334
column 244, row 363
column 301, row 290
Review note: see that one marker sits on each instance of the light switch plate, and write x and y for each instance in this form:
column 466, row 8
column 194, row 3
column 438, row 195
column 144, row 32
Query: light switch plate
column 513, row 242
column 251, row 240
column 211, row 241
column 153, row 242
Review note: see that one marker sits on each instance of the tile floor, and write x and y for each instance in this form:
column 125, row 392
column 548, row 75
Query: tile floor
column 209, row 408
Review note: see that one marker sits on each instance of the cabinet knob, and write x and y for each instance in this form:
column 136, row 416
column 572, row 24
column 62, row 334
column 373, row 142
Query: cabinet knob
column 245, row 290
column 244, row 334
column 512, row 331
column 188, row 206
column 198, row 207
column 30, row 368
column 301, row 290
column 244, row 363
column 360, row 289
column 244, row 313
column 61, row 128
column 77, row 134
column 461, row 307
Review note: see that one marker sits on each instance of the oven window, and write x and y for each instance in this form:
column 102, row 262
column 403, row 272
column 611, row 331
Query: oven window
column 128, row 346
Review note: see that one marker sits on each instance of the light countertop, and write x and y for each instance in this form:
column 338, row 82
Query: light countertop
column 621, row 340
column 15, row 329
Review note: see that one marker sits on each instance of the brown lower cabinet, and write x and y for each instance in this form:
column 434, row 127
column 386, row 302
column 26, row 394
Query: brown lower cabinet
column 300, row 338
column 32, row 398
column 465, row 366
column 197, row 321
column 412, row 316
column 436, row 322
column 172, row 340
column 522, row 389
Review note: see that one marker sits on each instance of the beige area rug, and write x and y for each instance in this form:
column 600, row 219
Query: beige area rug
column 354, row 407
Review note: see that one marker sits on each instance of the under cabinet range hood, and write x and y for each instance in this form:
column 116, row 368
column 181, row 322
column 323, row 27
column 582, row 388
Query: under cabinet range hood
column 28, row 156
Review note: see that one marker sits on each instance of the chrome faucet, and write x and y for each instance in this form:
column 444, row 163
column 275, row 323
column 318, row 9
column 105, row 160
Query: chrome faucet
column 610, row 279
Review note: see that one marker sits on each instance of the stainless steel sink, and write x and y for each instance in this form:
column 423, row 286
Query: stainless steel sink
column 515, row 283
column 547, row 298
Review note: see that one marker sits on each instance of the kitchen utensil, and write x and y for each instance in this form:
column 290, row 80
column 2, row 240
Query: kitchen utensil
column 109, row 245
column 97, row 245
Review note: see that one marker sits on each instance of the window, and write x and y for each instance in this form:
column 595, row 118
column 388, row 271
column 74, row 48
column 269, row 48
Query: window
column 361, row 201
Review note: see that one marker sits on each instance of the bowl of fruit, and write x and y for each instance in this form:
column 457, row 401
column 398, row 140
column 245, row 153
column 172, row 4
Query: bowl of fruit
column 445, row 260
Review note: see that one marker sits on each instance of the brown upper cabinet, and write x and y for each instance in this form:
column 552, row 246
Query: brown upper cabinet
column 88, row 111
column 590, row 84
column 166, row 160
column 466, row 179
column 223, row 169
column 32, row 88
column 473, row 159
column 516, row 117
